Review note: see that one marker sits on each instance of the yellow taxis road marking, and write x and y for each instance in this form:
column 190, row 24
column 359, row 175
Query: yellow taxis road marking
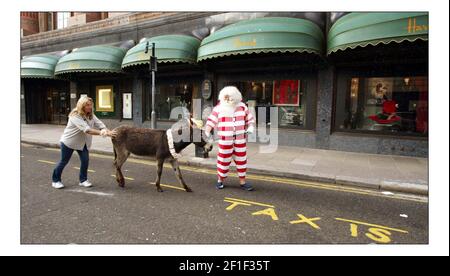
column 280, row 180
column 267, row 212
column 249, row 202
column 127, row 178
column 234, row 204
column 45, row 161
column 372, row 225
column 306, row 220
column 77, row 168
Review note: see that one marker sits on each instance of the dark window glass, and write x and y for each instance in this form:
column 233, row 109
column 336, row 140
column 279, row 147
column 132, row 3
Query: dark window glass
column 172, row 98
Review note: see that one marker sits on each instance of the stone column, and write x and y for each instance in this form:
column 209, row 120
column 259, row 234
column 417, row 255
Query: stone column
column 73, row 90
column 204, row 103
column 324, row 107
column 138, row 112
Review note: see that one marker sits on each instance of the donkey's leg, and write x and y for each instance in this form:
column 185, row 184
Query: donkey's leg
column 158, row 175
column 177, row 171
column 121, row 157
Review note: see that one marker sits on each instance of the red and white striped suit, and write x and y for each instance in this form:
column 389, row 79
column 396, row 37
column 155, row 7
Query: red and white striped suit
column 231, row 128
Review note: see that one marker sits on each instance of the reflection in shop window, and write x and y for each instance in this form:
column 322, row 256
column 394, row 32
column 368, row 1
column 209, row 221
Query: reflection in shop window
column 288, row 95
column 174, row 99
column 388, row 104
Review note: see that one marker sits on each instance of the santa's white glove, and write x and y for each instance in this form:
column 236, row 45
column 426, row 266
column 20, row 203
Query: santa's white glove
column 104, row 132
column 250, row 129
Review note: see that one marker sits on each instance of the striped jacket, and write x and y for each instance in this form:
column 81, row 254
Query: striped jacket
column 228, row 126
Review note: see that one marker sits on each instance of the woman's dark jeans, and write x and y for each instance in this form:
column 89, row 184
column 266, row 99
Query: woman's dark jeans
column 66, row 154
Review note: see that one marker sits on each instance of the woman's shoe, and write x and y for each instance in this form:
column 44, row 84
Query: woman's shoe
column 57, row 185
column 86, row 184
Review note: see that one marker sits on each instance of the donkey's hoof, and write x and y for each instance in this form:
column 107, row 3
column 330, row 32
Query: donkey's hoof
column 188, row 190
column 160, row 190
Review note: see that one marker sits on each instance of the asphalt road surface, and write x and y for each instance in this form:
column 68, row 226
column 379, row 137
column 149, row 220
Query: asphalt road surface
column 279, row 211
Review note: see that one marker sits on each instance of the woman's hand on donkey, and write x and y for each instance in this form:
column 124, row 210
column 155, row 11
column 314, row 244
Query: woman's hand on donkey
column 106, row 132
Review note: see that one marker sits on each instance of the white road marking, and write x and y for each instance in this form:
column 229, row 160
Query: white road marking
column 91, row 192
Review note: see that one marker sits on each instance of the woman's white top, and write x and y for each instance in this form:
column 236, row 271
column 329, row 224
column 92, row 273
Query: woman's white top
column 75, row 136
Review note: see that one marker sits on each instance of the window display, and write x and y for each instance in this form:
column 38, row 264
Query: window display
column 387, row 104
column 287, row 95
column 286, row 92
column 105, row 99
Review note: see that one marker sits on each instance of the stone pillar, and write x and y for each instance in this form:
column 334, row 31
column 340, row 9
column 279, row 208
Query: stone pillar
column 210, row 102
column 199, row 114
column 73, row 90
column 138, row 112
column 43, row 21
column 324, row 107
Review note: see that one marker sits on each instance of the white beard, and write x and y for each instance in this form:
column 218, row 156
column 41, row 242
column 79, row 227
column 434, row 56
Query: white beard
column 227, row 109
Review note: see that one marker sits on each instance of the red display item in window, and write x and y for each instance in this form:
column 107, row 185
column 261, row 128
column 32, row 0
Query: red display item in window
column 389, row 106
column 388, row 116
column 286, row 92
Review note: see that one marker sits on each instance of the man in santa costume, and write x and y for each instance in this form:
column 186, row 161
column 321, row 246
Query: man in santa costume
column 232, row 120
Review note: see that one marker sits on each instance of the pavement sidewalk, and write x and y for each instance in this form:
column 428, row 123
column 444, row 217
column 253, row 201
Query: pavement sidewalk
column 375, row 171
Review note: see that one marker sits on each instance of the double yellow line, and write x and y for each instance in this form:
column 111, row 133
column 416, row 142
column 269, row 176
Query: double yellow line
column 279, row 180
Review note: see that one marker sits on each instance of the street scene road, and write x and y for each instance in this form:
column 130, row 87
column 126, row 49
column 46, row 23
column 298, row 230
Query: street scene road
column 279, row 210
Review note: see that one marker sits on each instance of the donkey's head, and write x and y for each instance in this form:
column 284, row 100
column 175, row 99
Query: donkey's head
column 192, row 131
column 204, row 141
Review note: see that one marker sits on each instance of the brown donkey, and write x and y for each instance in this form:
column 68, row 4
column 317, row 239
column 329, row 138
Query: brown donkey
column 155, row 143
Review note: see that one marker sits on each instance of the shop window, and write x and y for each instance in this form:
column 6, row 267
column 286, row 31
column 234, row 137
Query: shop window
column 172, row 99
column 105, row 99
column 288, row 95
column 387, row 104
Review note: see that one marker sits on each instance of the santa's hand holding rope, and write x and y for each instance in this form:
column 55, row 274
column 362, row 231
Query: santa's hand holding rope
column 232, row 120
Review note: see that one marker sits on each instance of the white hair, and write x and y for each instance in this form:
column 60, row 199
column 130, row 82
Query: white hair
column 232, row 92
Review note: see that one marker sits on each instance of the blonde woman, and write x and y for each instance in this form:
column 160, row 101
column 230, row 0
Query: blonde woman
column 77, row 136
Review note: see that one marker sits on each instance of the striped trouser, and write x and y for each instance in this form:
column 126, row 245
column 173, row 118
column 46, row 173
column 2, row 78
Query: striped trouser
column 230, row 148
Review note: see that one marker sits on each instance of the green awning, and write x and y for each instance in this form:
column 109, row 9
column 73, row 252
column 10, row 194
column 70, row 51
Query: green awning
column 263, row 35
column 99, row 58
column 168, row 48
column 373, row 28
column 38, row 66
